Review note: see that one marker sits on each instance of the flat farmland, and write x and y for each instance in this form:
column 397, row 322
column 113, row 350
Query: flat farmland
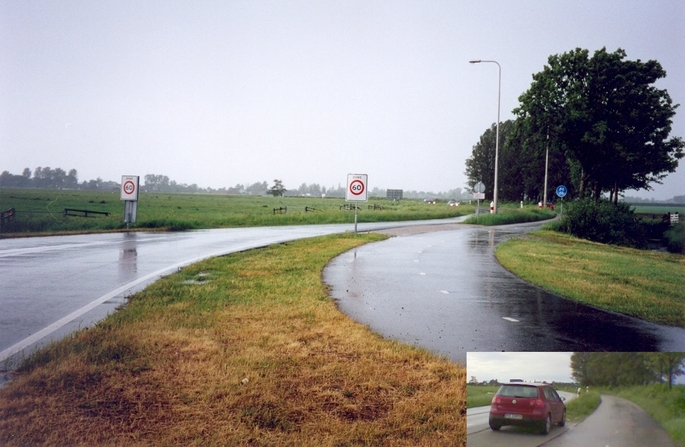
column 52, row 211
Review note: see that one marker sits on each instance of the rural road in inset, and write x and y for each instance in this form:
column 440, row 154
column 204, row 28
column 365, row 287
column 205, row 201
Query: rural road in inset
column 616, row 422
column 444, row 290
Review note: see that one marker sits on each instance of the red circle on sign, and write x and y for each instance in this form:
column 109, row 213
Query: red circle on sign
column 357, row 187
column 129, row 187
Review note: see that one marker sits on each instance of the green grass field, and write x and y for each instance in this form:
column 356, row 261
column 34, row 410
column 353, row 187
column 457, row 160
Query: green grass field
column 42, row 211
column 480, row 395
column 659, row 209
column 639, row 283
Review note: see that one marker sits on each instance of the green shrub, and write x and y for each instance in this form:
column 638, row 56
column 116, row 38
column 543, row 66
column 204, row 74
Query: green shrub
column 604, row 222
column 675, row 238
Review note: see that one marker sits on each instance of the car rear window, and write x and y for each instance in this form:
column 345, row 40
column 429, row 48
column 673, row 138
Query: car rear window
column 518, row 391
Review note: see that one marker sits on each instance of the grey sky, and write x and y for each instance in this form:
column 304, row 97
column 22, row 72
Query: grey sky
column 529, row 366
column 226, row 92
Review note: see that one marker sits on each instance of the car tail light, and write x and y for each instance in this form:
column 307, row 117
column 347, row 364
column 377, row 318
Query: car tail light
column 538, row 403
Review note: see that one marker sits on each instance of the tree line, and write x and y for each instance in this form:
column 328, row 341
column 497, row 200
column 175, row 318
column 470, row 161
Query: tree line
column 59, row 179
column 598, row 121
column 615, row 369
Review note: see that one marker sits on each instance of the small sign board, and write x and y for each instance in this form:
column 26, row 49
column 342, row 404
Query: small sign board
column 357, row 188
column 478, row 196
column 129, row 187
column 394, row 194
column 479, row 188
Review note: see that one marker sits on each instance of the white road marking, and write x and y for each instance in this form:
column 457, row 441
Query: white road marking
column 511, row 319
column 445, row 292
column 28, row 341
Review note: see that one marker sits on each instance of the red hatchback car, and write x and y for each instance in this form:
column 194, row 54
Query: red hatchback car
column 535, row 404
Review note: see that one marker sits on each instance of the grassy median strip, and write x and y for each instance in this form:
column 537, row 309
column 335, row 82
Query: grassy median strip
column 246, row 349
column 510, row 215
column 640, row 283
column 582, row 406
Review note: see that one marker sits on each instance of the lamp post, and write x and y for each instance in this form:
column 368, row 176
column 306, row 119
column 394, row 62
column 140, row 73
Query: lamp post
column 499, row 94
column 544, row 200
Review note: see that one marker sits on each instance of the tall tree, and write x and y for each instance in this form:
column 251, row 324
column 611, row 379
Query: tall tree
column 606, row 115
column 480, row 167
column 626, row 368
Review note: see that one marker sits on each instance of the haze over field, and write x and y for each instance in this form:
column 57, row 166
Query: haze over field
column 220, row 93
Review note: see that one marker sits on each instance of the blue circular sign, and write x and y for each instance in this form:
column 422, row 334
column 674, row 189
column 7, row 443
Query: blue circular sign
column 561, row 190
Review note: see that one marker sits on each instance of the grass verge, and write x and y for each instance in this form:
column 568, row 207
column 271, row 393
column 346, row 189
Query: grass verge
column 511, row 215
column 480, row 395
column 246, row 349
column 582, row 406
column 643, row 284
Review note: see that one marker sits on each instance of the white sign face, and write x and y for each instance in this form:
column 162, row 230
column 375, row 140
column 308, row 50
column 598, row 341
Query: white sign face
column 479, row 196
column 357, row 188
column 129, row 187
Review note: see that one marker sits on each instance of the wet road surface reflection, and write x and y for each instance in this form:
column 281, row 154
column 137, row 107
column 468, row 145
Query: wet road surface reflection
column 445, row 291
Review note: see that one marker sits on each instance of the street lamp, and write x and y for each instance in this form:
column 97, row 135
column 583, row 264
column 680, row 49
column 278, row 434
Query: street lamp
column 499, row 94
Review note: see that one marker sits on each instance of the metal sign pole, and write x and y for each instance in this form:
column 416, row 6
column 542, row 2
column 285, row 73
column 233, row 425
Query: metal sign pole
column 355, row 218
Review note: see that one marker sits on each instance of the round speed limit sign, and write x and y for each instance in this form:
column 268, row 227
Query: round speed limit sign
column 129, row 187
column 357, row 187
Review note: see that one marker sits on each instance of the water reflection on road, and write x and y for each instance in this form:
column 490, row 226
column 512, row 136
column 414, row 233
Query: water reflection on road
column 445, row 291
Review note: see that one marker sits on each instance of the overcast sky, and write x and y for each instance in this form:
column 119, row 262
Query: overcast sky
column 529, row 366
column 226, row 92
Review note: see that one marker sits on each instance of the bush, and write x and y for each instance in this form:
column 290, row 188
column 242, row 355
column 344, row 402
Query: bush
column 675, row 238
column 604, row 222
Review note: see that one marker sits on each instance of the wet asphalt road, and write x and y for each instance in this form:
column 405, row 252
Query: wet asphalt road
column 479, row 433
column 444, row 290
column 52, row 286
column 616, row 422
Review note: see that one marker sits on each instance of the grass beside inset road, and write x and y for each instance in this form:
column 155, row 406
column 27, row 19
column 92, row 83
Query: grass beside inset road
column 582, row 406
column 643, row 284
column 480, row 395
column 246, row 349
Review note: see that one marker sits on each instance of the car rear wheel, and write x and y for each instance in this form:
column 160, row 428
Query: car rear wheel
column 547, row 425
column 495, row 426
column 563, row 419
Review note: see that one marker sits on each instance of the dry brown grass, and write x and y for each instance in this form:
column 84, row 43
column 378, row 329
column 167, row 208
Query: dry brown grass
column 252, row 352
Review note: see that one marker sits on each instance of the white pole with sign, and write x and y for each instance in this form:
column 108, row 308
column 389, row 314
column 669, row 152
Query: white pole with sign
column 478, row 194
column 130, row 193
column 357, row 191
column 561, row 193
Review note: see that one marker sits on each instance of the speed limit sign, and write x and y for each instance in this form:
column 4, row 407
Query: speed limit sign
column 357, row 188
column 129, row 187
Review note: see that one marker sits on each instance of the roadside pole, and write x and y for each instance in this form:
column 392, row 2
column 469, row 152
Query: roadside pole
column 478, row 194
column 357, row 191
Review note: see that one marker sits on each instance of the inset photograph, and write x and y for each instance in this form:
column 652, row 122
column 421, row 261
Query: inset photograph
column 564, row 399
